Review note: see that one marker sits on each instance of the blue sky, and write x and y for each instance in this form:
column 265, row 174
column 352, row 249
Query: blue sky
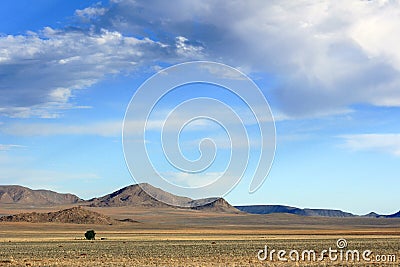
column 330, row 73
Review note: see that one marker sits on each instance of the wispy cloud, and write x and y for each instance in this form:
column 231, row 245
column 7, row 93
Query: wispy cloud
column 159, row 121
column 41, row 178
column 384, row 143
column 28, row 176
column 192, row 180
column 107, row 129
column 90, row 12
column 7, row 147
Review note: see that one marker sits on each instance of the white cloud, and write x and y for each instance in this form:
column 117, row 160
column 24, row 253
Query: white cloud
column 90, row 12
column 325, row 56
column 29, row 176
column 48, row 110
column 7, row 147
column 40, row 72
column 107, row 129
column 42, row 179
column 103, row 128
column 185, row 49
column 192, row 180
column 384, row 143
column 375, row 31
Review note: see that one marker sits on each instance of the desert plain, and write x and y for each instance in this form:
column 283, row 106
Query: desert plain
column 176, row 237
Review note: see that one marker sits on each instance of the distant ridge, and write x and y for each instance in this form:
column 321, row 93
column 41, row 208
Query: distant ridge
column 375, row 215
column 396, row 215
column 75, row 215
column 268, row 209
column 372, row 215
column 16, row 194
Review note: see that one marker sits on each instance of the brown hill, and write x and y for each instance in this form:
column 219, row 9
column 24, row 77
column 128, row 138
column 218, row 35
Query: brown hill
column 22, row 195
column 76, row 215
column 135, row 196
column 217, row 205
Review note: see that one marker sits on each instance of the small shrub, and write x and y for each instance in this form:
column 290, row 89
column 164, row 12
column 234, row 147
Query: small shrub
column 90, row 235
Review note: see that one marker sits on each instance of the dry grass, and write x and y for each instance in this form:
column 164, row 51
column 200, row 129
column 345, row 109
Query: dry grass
column 154, row 252
column 24, row 244
column 167, row 237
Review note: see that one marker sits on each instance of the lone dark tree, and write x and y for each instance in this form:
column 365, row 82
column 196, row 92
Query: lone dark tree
column 90, row 235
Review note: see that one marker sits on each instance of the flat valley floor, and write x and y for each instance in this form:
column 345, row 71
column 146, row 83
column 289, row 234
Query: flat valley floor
column 165, row 237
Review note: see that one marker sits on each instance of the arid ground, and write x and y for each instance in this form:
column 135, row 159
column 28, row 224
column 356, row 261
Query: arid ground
column 165, row 237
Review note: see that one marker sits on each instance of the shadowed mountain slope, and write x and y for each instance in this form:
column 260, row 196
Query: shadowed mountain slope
column 395, row 215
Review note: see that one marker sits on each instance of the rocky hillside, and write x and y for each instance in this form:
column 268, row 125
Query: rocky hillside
column 217, row 205
column 75, row 215
column 23, row 195
column 135, row 196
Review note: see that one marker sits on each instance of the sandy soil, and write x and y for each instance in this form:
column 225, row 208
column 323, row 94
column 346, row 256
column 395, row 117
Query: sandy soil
column 167, row 237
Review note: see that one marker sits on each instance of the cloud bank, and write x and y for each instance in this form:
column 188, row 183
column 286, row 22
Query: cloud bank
column 324, row 57
column 383, row 143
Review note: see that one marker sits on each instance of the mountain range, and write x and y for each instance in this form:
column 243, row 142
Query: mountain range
column 132, row 196
column 23, row 195
column 135, row 196
column 269, row 209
